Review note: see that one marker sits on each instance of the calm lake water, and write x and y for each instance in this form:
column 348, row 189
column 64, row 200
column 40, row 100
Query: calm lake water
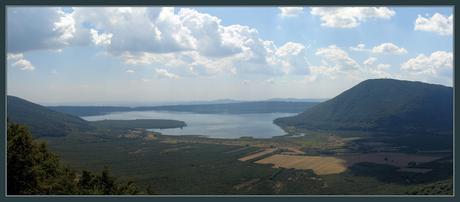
column 211, row 125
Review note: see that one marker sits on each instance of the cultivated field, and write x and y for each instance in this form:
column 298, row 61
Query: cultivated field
column 320, row 165
column 326, row 165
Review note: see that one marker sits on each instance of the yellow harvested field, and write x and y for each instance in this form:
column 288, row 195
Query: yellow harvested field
column 319, row 164
column 253, row 156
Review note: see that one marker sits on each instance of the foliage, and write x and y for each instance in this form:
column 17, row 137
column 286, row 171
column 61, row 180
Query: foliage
column 437, row 188
column 32, row 169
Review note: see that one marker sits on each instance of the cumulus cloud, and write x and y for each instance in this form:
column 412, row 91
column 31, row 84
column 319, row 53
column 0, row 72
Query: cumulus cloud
column 136, row 29
column 290, row 11
column 18, row 60
column 101, row 39
column 389, row 48
column 434, row 68
column 163, row 73
column 337, row 58
column 438, row 23
column 34, row 28
column 290, row 48
column 130, row 71
column 291, row 57
column 436, row 63
column 197, row 43
column 385, row 48
column 349, row 17
column 337, row 64
column 370, row 61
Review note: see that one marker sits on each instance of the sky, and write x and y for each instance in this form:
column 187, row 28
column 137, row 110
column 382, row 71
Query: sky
column 114, row 55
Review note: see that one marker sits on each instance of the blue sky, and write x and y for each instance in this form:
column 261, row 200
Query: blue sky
column 107, row 55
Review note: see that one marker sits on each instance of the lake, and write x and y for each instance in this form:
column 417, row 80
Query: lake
column 210, row 125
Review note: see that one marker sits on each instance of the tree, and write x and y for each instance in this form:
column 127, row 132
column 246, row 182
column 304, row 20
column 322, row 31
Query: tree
column 32, row 169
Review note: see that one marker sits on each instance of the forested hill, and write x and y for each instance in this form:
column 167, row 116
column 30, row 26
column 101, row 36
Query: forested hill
column 382, row 105
column 41, row 120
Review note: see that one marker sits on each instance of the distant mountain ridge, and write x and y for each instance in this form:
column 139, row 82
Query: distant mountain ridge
column 382, row 105
column 41, row 120
column 217, row 108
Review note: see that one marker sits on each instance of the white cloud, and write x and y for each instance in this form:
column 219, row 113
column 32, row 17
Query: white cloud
column 18, row 60
column 196, row 41
column 437, row 62
column 136, row 29
column 383, row 66
column 290, row 48
column 434, row 68
column 34, row 28
column 101, row 39
column 290, row 11
column 438, row 23
column 290, row 57
column 389, row 48
column 24, row 65
column 65, row 26
column 370, row 61
column 337, row 58
column 184, row 40
column 130, row 71
column 163, row 73
column 385, row 48
column 337, row 64
column 349, row 17
column 359, row 47
column 14, row 56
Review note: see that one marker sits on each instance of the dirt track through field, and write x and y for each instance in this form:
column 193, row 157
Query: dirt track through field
column 259, row 154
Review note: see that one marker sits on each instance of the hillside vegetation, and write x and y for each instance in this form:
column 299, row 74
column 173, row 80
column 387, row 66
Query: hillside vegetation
column 43, row 121
column 382, row 105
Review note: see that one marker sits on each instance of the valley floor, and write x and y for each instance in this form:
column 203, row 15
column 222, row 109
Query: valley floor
column 313, row 164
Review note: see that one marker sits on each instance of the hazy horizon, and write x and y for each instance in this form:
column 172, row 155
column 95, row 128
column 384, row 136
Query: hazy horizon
column 103, row 55
column 134, row 103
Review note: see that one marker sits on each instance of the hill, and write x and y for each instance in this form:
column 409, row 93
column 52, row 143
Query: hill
column 382, row 105
column 41, row 120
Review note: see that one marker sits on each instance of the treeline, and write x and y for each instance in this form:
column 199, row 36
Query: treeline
column 33, row 170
